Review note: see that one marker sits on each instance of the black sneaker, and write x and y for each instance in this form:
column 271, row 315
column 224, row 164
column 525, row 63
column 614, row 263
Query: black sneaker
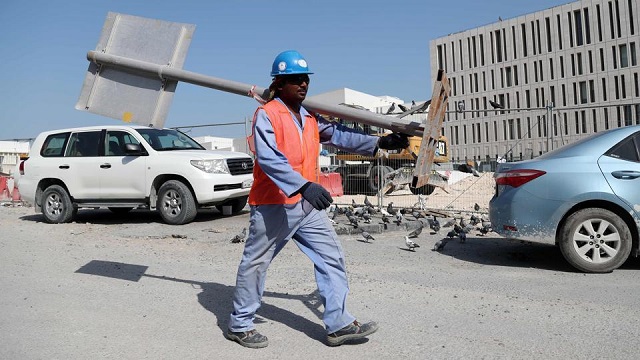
column 352, row 331
column 251, row 339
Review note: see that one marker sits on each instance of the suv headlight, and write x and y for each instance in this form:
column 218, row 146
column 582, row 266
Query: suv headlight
column 211, row 166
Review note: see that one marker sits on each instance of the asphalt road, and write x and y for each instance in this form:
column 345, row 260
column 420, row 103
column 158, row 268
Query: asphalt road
column 130, row 287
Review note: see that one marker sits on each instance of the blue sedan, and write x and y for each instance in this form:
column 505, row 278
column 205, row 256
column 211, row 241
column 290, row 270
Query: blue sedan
column 584, row 197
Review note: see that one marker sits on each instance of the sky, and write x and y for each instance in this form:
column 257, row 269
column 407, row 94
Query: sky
column 376, row 47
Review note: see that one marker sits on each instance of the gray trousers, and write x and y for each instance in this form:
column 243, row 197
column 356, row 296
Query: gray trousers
column 271, row 227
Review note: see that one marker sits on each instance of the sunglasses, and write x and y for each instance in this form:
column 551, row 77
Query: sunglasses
column 297, row 79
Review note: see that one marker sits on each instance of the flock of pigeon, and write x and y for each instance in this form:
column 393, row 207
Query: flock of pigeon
column 356, row 214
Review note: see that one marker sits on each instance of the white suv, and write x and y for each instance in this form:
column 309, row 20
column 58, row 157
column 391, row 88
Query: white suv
column 123, row 167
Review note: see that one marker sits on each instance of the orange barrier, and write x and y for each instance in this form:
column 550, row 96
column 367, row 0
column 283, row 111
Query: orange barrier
column 4, row 190
column 16, row 193
column 332, row 182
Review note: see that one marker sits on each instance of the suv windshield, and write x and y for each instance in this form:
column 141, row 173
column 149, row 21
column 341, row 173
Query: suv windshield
column 168, row 139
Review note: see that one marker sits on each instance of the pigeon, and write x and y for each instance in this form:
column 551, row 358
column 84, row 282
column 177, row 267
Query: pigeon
column 449, row 223
column 367, row 236
column 476, row 207
column 391, row 108
column 385, row 219
column 240, row 237
column 462, row 236
column 439, row 245
column 466, row 227
column 474, row 220
column 367, row 202
column 366, row 217
column 496, row 105
column 353, row 220
column 486, row 228
column 417, row 215
column 390, row 209
column 410, row 244
column 451, row 234
column 399, row 218
column 402, row 107
column 415, row 233
column 434, row 224
column 335, row 213
column 354, row 204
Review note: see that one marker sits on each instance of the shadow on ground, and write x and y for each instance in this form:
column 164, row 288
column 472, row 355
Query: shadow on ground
column 499, row 251
column 217, row 298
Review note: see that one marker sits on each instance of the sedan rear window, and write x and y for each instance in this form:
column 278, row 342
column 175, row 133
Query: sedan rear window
column 627, row 149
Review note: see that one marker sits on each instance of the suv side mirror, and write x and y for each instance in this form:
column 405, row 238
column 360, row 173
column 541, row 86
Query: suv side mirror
column 134, row 149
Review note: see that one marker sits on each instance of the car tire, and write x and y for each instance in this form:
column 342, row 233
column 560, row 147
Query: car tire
column 236, row 204
column 175, row 203
column 595, row 240
column 120, row 210
column 422, row 190
column 57, row 207
column 376, row 183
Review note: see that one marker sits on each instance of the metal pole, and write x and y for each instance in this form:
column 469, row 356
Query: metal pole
column 343, row 112
column 548, row 116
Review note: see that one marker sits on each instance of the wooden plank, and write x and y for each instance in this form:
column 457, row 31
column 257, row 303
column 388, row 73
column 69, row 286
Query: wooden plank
column 428, row 147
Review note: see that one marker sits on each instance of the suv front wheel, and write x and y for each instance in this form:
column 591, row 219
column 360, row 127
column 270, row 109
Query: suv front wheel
column 56, row 205
column 176, row 203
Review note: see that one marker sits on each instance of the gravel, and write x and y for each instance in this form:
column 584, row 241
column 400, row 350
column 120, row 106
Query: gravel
column 131, row 287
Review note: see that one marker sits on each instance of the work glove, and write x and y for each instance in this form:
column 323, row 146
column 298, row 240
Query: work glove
column 394, row 141
column 316, row 195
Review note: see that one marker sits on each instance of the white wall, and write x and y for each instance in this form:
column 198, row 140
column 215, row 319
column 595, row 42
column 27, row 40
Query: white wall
column 10, row 155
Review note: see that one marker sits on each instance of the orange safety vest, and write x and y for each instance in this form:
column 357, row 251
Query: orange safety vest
column 301, row 153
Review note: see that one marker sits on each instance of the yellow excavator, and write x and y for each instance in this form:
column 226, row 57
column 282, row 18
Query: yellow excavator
column 363, row 174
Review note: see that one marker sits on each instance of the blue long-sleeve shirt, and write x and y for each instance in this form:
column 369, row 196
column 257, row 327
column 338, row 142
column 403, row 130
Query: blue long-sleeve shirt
column 276, row 165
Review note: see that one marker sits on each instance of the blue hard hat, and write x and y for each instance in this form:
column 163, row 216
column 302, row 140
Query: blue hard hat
column 288, row 63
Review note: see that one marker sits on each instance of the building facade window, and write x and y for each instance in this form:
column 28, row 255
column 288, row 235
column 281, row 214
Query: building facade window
column 523, row 31
column 632, row 29
column 599, row 22
column 624, row 56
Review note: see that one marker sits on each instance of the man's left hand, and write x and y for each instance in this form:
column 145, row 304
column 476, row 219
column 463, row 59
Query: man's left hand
column 394, row 141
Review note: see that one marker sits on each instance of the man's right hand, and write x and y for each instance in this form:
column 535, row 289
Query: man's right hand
column 316, row 195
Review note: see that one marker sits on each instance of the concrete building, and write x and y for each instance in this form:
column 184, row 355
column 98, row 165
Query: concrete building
column 560, row 74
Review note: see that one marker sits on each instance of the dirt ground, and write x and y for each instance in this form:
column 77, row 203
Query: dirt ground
column 131, row 287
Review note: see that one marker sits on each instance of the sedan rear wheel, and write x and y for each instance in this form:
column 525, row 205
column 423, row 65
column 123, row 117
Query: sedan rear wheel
column 595, row 240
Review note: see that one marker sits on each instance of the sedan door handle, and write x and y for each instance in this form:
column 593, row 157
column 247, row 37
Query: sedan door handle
column 63, row 167
column 105, row 166
column 626, row 174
